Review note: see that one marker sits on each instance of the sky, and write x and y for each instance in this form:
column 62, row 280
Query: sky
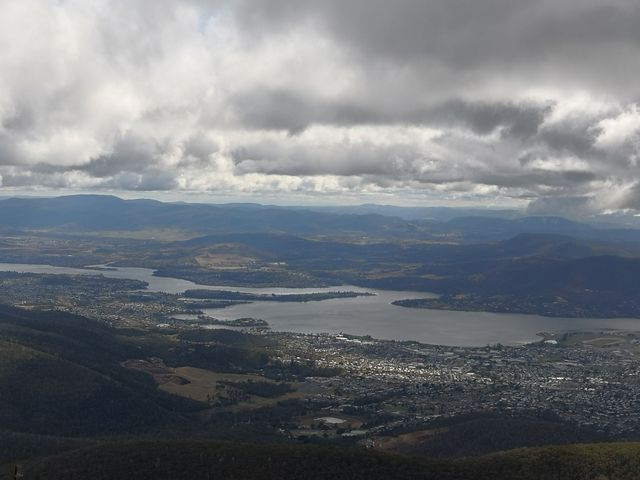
column 530, row 103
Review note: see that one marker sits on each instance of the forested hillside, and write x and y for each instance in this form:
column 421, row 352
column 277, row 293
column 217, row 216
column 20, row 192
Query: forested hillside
column 189, row 460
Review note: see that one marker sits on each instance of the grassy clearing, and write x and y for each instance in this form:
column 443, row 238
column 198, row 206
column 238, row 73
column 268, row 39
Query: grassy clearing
column 209, row 387
column 205, row 385
column 406, row 441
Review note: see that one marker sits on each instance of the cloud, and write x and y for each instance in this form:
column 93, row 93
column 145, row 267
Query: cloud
column 620, row 131
column 495, row 101
column 571, row 207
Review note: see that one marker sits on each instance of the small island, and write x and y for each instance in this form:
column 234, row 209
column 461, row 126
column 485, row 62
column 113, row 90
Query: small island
column 200, row 305
column 228, row 295
column 246, row 322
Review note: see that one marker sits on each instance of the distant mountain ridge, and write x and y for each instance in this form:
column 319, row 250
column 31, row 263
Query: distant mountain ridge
column 102, row 212
column 97, row 212
column 440, row 214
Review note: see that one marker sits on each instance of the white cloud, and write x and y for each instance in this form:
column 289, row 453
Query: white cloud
column 489, row 100
column 618, row 130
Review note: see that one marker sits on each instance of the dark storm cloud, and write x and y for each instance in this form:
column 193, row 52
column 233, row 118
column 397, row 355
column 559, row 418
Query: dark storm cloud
column 579, row 176
column 460, row 33
column 283, row 110
column 575, row 136
column 198, row 148
column 401, row 31
column 519, row 120
column 130, row 154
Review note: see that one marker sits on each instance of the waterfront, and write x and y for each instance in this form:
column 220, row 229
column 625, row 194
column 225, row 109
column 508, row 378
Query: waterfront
column 369, row 315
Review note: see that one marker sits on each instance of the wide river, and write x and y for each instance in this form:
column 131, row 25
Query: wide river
column 372, row 315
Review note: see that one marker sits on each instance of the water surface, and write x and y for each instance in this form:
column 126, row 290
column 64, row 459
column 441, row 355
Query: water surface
column 373, row 316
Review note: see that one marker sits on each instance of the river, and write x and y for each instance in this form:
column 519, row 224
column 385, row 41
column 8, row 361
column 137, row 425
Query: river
column 369, row 315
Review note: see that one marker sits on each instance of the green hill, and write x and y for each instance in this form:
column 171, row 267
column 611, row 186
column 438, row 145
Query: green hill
column 178, row 460
column 60, row 375
column 483, row 433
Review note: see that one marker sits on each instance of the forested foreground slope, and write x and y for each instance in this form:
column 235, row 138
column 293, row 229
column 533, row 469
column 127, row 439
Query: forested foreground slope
column 201, row 460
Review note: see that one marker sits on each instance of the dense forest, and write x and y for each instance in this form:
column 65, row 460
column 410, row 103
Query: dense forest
column 192, row 460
